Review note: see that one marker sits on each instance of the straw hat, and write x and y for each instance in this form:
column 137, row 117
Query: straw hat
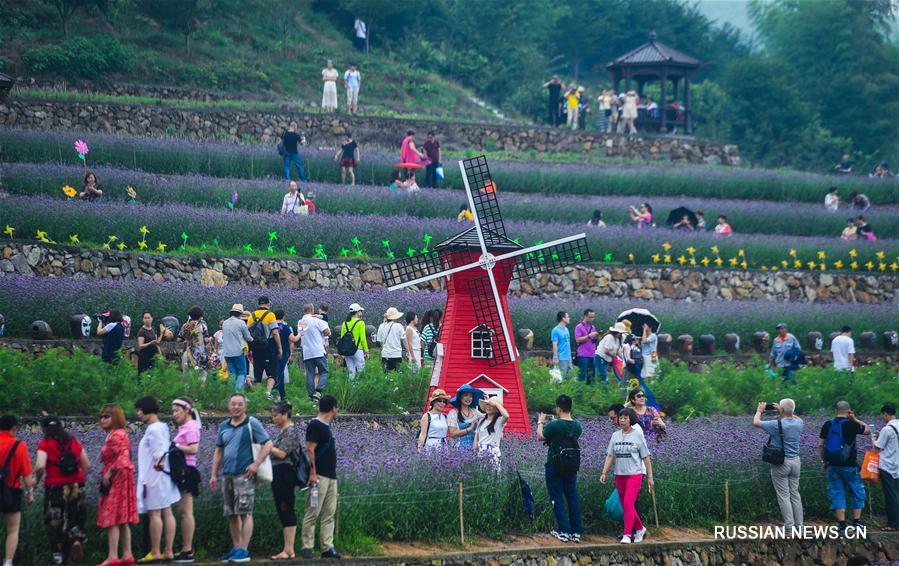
column 494, row 401
column 237, row 307
column 436, row 395
column 619, row 327
column 393, row 314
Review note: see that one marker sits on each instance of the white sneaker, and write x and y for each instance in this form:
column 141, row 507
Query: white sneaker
column 625, row 539
column 639, row 534
column 561, row 536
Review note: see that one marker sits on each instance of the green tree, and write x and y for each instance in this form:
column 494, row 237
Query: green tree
column 65, row 9
column 181, row 16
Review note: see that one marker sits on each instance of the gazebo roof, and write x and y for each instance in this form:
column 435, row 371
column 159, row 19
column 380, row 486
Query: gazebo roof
column 654, row 53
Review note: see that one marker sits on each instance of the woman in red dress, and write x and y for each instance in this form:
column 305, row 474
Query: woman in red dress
column 118, row 491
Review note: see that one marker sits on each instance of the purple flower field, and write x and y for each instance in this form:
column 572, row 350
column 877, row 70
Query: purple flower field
column 24, row 299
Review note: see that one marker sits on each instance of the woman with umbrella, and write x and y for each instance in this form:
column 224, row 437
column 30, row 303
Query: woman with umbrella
column 464, row 418
column 409, row 152
column 645, row 320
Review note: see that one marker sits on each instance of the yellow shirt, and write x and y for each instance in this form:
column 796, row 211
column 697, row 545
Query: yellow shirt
column 572, row 99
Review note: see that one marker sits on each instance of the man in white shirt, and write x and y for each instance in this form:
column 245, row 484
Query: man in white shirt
column 843, row 349
column 390, row 336
column 361, row 34
column 352, row 79
column 311, row 333
column 887, row 444
column 294, row 202
column 608, row 349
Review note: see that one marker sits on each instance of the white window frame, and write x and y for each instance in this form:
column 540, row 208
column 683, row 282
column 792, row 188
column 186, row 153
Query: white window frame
column 477, row 337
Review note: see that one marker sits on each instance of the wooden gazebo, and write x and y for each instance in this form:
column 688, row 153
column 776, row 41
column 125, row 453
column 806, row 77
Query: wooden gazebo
column 656, row 61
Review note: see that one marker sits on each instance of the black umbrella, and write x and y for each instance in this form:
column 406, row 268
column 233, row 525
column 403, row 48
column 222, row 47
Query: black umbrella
column 638, row 318
column 678, row 214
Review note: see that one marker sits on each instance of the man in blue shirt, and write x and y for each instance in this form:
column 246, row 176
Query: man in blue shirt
column 783, row 343
column 233, row 456
column 561, row 338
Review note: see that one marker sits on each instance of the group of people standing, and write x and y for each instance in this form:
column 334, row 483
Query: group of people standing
column 400, row 339
column 352, row 82
column 597, row 352
column 165, row 480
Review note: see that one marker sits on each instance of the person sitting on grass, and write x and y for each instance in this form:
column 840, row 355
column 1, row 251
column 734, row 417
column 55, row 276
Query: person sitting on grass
column 864, row 229
column 596, row 221
column 850, row 232
column 684, row 224
column 723, row 228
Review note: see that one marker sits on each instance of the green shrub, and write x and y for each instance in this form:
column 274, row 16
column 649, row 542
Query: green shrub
column 81, row 57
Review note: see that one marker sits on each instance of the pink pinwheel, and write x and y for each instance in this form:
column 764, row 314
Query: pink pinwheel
column 81, row 148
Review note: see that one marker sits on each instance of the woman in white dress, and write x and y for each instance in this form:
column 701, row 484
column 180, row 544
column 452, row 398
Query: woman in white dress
column 489, row 434
column 156, row 492
column 413, row 342
column 629, row 112
column 329, row 92
column 434, row 426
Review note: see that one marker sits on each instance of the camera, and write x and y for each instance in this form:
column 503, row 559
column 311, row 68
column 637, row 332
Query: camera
column 769, row 406
column 100, row 316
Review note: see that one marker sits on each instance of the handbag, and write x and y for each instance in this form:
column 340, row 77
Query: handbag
column 439, row 172
column 612, row 507
column 264, row 472
column 772, row 455
column 869, row 467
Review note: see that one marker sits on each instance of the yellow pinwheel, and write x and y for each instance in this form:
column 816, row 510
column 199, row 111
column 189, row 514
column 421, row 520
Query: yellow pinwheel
column 667, row 258
column 882, row 266
column 705, row 261
column 784, row 263
column 854, row 265
column 743, row 264
column 41, row 235
column 142, row 245
column 69, row 191
column 797, row 264
column 811, row 265
column 715, row 250
column 692, row 261
column 656, row 258
column 792, row 252
column 682, row 260
column 870, row 265
column 821, row 254
column 733, row 262
column 894, row 266
column 144, row 231
column 880, row 254
column 160, row 247
column 74, row 239
column 105, row 246
column 666, row 246
column 741, row 253
column 9, row 230
column 121, row 246
column 691, row 250
column 838, row 264
column 719, row 262
column 853, row 253
column 630, row 257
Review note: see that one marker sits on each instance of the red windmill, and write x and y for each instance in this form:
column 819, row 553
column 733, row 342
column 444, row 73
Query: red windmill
column 475, row 345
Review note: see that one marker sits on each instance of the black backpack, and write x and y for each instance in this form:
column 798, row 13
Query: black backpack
column 347, row 346
column 304, row 466
column 178, row 468
column 6, row 492
column 568, row 459
column 68, row 462
column 257, row 331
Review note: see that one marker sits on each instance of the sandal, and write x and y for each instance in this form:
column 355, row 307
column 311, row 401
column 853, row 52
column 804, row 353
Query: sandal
column 283, row 556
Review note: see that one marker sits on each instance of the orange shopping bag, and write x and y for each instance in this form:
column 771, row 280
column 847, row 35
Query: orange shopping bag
column 869, row 467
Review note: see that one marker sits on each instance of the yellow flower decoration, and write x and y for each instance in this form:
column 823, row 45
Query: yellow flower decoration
column 792, row 253
column 682, row 260
column 821, row 254
column 854, row 265
column 9, row 230
column 113, row 238
column 142, row 245
column 838, row 264
column 41, row 235
column 656, row 258
column 719, row 261
column 105, row 246
column 811, row 265
column 144, row 231
column 74, row 239
column 741, row 253
column 692, row 261
column 869, row 265
column 121, row 246
column 705, row 261
column 667, row 258
column 797, row 264
column 882, row 266
column 880, row 254
column 784, row 263
column 894, row 266
column 691, row 250
column 743, row 264
column 822, row 266
column 853, row 253
column 733, row 262
column 69, row 191
column 160, row 246
column 666, row 246
column 715, row 250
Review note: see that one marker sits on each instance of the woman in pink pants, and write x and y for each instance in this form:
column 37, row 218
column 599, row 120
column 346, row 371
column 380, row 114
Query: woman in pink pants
column 628, row 450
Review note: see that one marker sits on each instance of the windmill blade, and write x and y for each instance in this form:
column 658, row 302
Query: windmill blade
column 482, row 195
column 417, row 269
column 551, row 255
column 488, row 313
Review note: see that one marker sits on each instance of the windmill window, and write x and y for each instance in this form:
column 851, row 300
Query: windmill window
column 481, row 344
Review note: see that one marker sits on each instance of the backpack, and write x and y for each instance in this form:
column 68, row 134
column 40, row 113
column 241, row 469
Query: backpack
column 178, row 468
column 6, row 492
column 68, row 462
column 346, row 345
column 836, row 451
column 568, row 459
column 432, row 345
column 257, row 331
column 281, row 150
column 304, row 466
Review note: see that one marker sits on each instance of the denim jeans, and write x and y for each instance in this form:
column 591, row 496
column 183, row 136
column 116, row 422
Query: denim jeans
column 321, row 364
column 431, row 174
column 602, row 369
column 279, row 378
column 560, row 487
column 298, row 161
column 237, row 368
column 841, row 479
column 585, row 365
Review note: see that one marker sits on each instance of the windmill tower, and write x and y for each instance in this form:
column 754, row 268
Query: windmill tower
column 475, row 345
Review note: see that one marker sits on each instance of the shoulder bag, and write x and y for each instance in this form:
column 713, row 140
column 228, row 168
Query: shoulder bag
column 772, row 455
column 264, row 472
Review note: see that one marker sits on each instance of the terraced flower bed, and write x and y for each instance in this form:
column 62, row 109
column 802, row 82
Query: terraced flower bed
column 746, row 217
column 54, row 300
column 190, row 229
column 244, row 161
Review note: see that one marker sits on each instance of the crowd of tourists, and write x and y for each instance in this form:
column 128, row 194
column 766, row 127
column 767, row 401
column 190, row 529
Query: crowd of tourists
column 164, row 481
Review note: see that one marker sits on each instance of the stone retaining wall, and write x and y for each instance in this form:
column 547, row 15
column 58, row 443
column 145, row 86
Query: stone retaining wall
column 265, row 127
column 650, row 283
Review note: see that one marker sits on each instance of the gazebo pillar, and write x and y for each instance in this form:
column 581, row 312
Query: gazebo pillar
column 663, row 104
column 688, row 108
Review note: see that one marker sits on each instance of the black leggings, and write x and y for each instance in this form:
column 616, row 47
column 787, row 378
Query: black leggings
column 283, row 485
